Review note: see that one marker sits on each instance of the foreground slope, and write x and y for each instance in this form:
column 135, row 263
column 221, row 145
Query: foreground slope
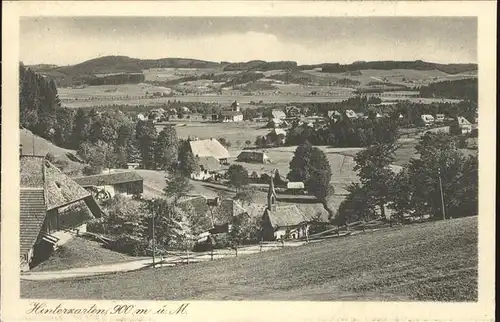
column 425, row 262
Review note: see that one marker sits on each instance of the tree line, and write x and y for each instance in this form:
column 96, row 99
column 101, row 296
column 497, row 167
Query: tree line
column 440, row 183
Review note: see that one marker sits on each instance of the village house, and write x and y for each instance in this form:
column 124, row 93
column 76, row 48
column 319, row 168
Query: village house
column 231, row 116
column 44, row 192
column 295, row 187
column 141, row 117
column 209, row 166
column 276, row 123
column 427, row 119
column 133, row 165
column 156, row 114
column 292, row 111
column 253, row 156
column 351, row 114
column 209, row 148
column 334, row 114
column 127, row 183
column 464, row 125
column 278, row 114
column 439, row 118
column 277, row 135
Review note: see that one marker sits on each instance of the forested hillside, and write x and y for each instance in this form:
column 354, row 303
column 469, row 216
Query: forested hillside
column 465, row 89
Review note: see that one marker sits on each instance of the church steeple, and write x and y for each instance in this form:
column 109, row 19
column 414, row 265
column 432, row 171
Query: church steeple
column 271, row 194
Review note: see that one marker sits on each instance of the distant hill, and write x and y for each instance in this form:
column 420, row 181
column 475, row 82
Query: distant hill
column 124, row 64
column 79, row 73
column 388, row 65
column 259, row 65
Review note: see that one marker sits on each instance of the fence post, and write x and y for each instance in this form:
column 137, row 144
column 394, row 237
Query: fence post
column 282, row 243
column 212, row 254
column 187, row 256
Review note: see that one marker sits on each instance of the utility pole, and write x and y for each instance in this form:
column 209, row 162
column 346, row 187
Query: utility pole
column 33, row 141
column 442, row 197
column 154, row 239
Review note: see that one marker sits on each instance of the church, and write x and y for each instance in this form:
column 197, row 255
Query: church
column 282, row 221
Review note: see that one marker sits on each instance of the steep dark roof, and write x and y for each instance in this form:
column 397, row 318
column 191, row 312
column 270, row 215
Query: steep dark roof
column 284, row 216
column 31, row 171
column 60, row 189
column 209, row 163
column 108, row 179
column 32, row 216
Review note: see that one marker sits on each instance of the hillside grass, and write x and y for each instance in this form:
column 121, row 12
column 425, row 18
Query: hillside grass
column 435, row 261
column 43, row 146
column 79, row 252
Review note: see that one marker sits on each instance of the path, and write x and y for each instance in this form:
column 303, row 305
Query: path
column 169, row 261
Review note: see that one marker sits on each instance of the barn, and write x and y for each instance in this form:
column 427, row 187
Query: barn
column 253, row 156
column 127, row 183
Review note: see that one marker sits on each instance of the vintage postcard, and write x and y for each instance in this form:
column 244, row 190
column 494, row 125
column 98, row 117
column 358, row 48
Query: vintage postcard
column 241, row 161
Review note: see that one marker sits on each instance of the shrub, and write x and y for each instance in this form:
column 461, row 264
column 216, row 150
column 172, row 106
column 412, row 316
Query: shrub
column 96, row 226
column 128, row 245
column 50, row 157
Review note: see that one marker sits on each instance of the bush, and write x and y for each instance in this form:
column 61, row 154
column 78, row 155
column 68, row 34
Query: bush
column 50, row 157
column 128, row 245
column 96, row 226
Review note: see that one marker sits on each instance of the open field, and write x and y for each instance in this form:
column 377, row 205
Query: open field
column 80, row 252
column 435, row 261
column 406, row 77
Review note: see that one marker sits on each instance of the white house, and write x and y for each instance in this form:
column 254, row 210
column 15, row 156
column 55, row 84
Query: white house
column 464, row 124
column 278, row 114
column 427, row 119
column 439, row 118
column 231, row 116
column 351, row 114
column 208, row 167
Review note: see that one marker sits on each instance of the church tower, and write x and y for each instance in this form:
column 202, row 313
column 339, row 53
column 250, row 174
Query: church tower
column 271, row 194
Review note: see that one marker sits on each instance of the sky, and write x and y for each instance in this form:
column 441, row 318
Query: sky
column 306, row 40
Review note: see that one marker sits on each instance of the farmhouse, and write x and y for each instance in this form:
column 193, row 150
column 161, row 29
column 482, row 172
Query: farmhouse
column 44, row 190
column 208, row 167
column 209, row 148
column 253, row 156
column 110, row 184
column 427, row 119
column 280, row 221
column 278, row 114
column 439, row 118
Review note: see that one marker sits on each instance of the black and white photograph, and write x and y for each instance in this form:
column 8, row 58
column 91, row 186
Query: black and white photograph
column 249, row 158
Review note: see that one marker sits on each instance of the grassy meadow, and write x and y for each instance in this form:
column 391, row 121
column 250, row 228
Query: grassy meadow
column 434, row 261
